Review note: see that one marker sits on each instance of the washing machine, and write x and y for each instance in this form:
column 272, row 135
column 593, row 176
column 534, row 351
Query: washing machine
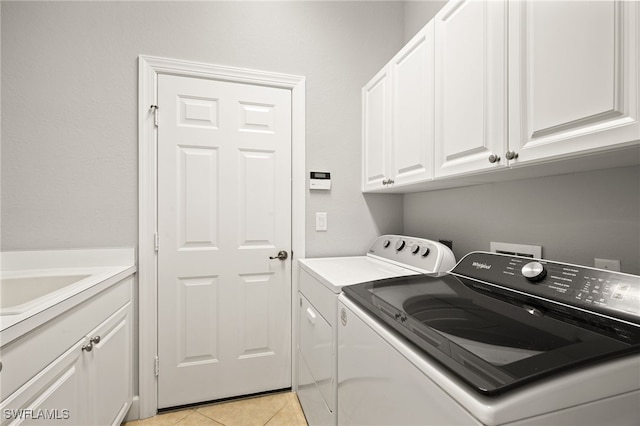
column 499, row 340
column 321, row 280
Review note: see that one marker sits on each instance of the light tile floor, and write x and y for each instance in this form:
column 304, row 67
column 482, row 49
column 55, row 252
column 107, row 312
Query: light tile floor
column 278, row 409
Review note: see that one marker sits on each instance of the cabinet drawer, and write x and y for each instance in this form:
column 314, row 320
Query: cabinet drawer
column 23, row 358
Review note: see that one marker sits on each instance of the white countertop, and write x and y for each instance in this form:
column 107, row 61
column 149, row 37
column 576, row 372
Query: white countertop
column 337, row 272
column 103, row 268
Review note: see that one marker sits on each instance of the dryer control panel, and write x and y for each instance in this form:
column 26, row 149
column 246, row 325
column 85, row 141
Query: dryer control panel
column 424, row 255
column 611, row 293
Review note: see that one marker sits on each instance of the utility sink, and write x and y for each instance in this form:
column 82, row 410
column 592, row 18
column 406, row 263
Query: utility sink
column 18, row 294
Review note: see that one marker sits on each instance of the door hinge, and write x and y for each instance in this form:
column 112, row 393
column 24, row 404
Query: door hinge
column 157, row 366
column 156, row 242
column 155, row 114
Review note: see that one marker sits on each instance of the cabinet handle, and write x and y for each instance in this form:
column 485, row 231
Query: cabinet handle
column 494, row 158
column 311, row 316
column 388, row 181
column 511, row 155
column 89, row 346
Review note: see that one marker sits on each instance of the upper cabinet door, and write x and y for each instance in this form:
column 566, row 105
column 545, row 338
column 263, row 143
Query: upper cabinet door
column 375, row 131
column 471, row 83
column 573, row 71
column 412, row 123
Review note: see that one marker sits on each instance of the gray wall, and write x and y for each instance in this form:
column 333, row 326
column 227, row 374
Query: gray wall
column 574, row 217
column 417, row 13
column 69, row 99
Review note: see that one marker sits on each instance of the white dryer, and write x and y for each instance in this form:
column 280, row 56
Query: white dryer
column 321, row 281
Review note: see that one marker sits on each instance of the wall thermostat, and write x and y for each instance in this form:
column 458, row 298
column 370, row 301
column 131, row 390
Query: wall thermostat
column 320, row 180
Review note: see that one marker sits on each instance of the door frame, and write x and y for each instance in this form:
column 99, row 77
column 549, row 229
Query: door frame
column 149, row 67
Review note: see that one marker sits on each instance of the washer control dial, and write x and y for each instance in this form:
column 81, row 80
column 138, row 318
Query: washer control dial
column 534, row 271
column 425, row 252
column 415, row 249
column 386, row 243
column 400, row 245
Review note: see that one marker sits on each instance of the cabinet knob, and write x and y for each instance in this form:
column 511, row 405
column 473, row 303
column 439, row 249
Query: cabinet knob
column 92, row 341
column 511, row 155
column 494, row 158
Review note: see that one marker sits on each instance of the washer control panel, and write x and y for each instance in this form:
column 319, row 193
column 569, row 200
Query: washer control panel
column 612, row 293
column 424, row 255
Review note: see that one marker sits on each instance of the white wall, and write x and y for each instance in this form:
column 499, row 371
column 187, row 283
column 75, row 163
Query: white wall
column 574, row 217
column 69, row 99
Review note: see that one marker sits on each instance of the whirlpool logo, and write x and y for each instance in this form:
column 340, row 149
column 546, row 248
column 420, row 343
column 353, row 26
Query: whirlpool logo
column 479, row 265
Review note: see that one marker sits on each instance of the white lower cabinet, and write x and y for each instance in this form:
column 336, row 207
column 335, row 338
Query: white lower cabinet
column 91, row 382
column 108, row 368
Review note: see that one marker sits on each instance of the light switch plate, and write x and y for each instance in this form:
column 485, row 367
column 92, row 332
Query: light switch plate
column 321, row 221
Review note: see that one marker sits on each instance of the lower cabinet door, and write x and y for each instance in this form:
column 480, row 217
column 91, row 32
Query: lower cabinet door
column 110, row 369
column 56, row 395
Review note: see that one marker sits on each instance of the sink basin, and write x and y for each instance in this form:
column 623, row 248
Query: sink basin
column 17, row 294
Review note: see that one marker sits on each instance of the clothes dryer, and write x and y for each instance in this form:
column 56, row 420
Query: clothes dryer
column 321, row 280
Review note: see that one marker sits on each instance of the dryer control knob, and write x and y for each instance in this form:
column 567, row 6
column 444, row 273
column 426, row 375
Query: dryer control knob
column 386, row 243
column 425, row 252
column 415, row 249
column 400, row 245
column 534, row 271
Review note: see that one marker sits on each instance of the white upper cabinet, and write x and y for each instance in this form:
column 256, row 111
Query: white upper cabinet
column 412, row 113
column 470, row 86
column 376, row 105
column 573, row 77
column 398, row 118
column 499, row 84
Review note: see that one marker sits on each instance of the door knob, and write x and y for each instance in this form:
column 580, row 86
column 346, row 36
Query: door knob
column 282, row 255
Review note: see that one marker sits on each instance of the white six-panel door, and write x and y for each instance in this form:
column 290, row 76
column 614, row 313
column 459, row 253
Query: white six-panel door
column 224, row 208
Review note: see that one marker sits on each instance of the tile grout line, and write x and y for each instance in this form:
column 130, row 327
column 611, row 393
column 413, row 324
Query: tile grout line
column 210, row 418
column 275, row 414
